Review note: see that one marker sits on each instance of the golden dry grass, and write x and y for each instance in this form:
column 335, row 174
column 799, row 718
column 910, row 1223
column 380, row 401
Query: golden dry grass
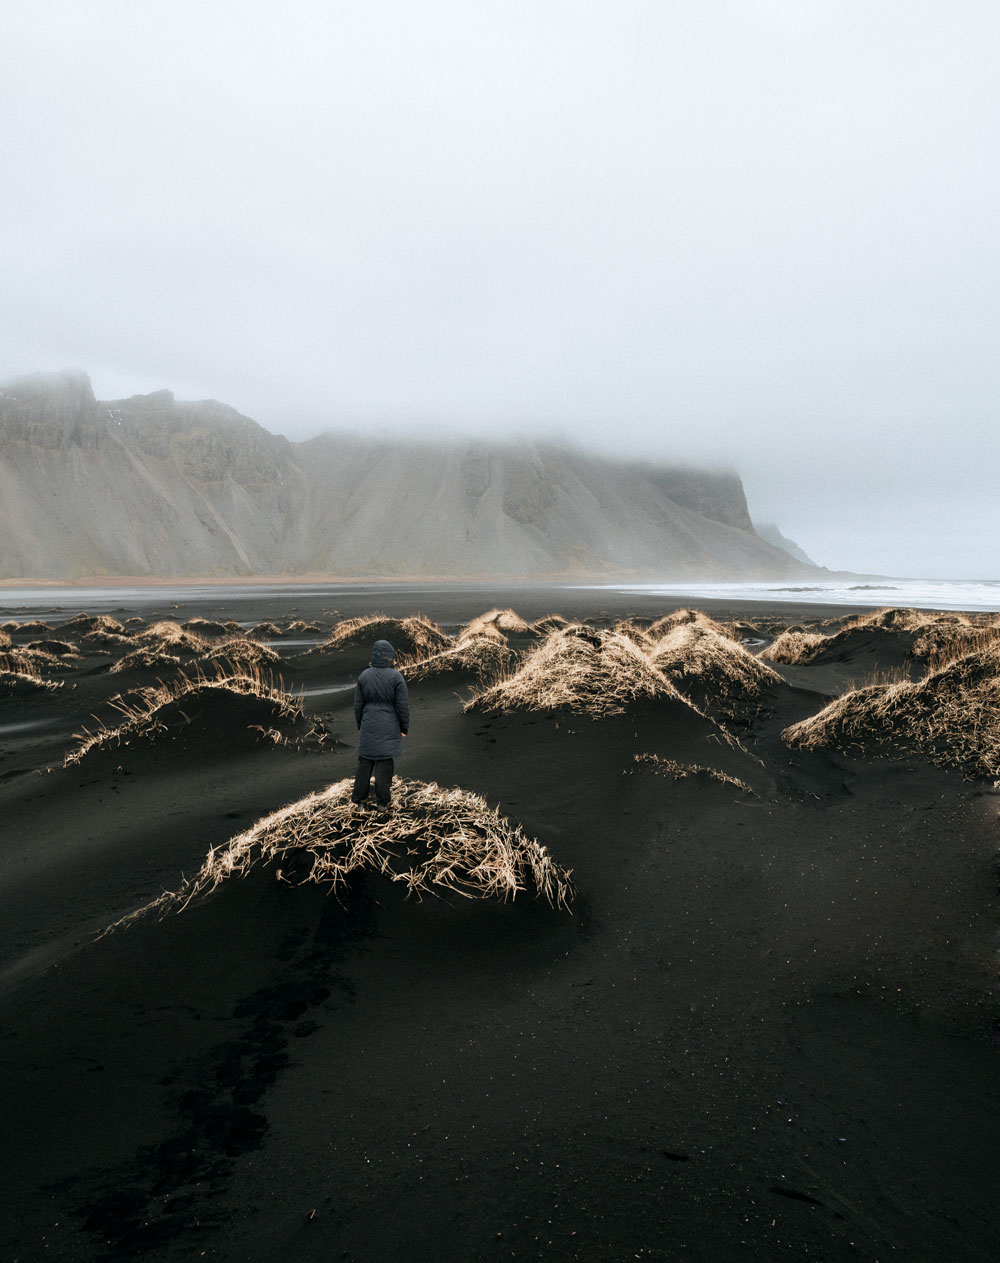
column 266, row 631
column 700, row 658
column 580, row 668
column 637, row 634
column 33, row 628
column 82, row 623
column 795, row 648
column 434, row 840
column 415, row 636
column 5, row 640
column 549, row 622
column 660, row 766
column 485, row 655
column 502, row 621
column 952, row 717
column 242, row 652
column 945, row 642
column 141, row 708
column 29, row 662
column 297, row 626
column 681, row 618
column 170, row 637
column 145, row 660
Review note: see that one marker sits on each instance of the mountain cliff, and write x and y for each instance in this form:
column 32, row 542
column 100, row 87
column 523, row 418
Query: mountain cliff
column 154, row 486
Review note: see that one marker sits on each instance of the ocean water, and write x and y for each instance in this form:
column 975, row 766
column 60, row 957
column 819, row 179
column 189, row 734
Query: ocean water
column 922, row 594
column 19, row 602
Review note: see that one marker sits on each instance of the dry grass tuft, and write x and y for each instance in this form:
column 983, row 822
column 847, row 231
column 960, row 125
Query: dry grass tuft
column 414, row 637
column 82, row 623
column 943, row 643
column 96, row 640
column 145, row 660
column 795, row 648
column 952, row 717
column 583, row 669
column 549, row 622
column 660, row 766
column 143, row 710
column 298, row 626
column 705, row 663
column 503, row 622
column 485, row 655
column 266, row 631
column 170, row 637
column 637, row 634
column 435, row 840
column 33, row 628
column 241, row 652
column 60, row 649
column 5, row 641
column 210, row 627
column 28, row 661
column 683, row 618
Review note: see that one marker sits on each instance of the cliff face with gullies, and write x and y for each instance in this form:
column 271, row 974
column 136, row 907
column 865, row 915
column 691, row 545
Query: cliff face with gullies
column 153, row 486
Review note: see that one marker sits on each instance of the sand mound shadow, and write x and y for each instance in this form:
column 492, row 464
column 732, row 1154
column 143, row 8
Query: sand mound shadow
column 435, row 840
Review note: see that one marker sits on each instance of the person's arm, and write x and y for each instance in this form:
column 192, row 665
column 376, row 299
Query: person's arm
column 359, row 703
column 402, row 701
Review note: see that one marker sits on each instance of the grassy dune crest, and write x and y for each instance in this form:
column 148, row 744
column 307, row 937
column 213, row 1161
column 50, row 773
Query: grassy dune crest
column 170, row 707
column 583, row 669
column 415, row 636
column 705, row 663
column 483, row 655
column 952, row 717
column 435, row 840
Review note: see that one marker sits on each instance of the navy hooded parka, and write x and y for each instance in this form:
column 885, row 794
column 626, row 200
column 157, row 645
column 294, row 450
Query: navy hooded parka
column 381, row 706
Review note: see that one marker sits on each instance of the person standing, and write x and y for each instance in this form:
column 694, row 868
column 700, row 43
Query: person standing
column 382, row 711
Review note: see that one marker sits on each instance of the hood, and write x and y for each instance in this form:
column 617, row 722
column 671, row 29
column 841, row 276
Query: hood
column 382, row 654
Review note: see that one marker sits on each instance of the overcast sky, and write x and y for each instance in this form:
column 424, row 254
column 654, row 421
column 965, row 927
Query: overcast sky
column 762, row 232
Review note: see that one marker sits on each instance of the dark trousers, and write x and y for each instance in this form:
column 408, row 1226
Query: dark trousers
column 384, row 769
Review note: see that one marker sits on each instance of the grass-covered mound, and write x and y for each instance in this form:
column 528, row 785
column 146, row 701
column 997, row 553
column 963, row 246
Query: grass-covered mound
column 716, row 672
column 583, row 669
column 81, row 624
column 227, row 713
column 904, row 633
column 242, row 652
column 144, row 659
column 168, row 636
column 480, row 655
column 211, row 627
column 21, row 671
column 952, row 717
column 61, row 649
column 943, row 642
column 498, row 623
column 434, row 840
column 33, row 628
column 414, row 637
column 795, row 647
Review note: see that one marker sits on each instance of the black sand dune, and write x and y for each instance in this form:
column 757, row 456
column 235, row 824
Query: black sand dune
column 765, row 1027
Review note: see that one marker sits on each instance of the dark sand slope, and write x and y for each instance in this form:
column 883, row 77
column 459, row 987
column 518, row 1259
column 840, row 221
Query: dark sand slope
column 764, row 1030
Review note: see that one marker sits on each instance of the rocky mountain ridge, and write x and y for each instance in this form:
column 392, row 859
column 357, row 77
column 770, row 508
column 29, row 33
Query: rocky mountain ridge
column 154, row 486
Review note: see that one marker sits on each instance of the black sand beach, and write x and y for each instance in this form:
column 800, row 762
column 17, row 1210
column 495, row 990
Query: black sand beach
column 766, row 1028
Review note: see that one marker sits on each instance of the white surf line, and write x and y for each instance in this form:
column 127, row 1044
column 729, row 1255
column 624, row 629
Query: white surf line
column 325, row 688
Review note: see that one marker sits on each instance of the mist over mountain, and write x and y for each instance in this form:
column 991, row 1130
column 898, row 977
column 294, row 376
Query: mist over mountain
column 153, row 486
